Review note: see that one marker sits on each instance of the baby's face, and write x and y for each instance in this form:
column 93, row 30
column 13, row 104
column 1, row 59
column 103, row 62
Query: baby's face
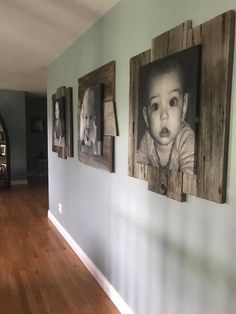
column 166, row 108
column 89, row 117
column 57, row 111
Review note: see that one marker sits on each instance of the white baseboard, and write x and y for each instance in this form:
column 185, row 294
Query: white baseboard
column 19, row 182
column 92, row 268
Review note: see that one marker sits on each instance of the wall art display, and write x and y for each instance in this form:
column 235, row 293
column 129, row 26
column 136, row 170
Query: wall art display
column 167, row 111
column 2, row 150
column 62, row 122
column 180, row 94
column 38, row 125
column 91, row 121
column 59, row 133
column 97, row 124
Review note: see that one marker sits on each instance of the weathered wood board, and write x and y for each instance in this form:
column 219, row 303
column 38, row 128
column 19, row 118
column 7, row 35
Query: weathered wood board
column 217, row 39
column 105, row 75
column 110, row 125
column 157, row 180
column 66, row 94
column 69, row 122
column 136, row 170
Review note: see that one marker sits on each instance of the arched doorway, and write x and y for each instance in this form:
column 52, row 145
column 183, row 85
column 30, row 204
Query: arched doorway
column 5, row 178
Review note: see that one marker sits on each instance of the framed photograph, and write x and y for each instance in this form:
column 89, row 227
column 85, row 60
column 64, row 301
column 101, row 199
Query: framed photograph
column 38, row 125
column 95, row 142
column 168, row 111
column 91, row 121
column 62, row 122
column 59, row 126
column 3, row 150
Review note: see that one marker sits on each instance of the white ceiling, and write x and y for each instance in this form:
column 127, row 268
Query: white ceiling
column 33, row 33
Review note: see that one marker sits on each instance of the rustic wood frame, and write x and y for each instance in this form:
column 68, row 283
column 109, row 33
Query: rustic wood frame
column 217, row 39
column 105, row 75
column 67, row 151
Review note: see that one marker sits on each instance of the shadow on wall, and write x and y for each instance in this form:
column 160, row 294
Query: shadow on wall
column 176, row 261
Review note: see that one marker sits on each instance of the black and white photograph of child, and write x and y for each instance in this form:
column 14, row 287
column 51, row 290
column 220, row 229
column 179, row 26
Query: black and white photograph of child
column 91, row 121
column 168, row 111
column 59, row 123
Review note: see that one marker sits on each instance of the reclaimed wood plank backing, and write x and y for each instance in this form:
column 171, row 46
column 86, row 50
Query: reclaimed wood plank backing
column 54, row 147
column 217, row 38
column 156, row 176
column 175, row 186
column 104, row 75
column 110, row 125
column 136, row 170
column 66, row 151
column 166, row 44
column 59, row 94
column 69, row 122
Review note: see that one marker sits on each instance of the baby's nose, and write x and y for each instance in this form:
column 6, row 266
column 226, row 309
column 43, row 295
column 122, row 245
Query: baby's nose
column 164, row 114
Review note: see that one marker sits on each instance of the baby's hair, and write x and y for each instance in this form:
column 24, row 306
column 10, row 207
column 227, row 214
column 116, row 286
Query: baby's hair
column 56, row 104
column 60, row 104
column 162, row 68
column 89, row 97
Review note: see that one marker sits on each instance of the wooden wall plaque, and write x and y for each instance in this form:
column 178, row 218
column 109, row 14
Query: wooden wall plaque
column 136, row 170
column 217, row 39
column 105, row 75
column 65, row 94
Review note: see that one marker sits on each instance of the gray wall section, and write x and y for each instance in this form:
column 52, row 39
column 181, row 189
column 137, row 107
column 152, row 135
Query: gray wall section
column 36, row 107
column 163, row 257
column 12, row 108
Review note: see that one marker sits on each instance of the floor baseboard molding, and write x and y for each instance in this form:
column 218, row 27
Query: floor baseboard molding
column 92, row 268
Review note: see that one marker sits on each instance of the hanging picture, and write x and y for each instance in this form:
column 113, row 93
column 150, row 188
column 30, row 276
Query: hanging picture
column 168, row 112
column 59, row 122
column 183, row 150
column 91, row 121
column 97, row 124
column 62, row 122
column 2, row 150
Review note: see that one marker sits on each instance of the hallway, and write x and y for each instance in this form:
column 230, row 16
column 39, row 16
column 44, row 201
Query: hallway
column 39, row 273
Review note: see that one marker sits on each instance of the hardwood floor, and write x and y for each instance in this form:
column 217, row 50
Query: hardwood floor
column 39, row 273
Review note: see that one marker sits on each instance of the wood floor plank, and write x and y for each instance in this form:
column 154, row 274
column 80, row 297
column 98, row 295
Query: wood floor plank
column 39, row 273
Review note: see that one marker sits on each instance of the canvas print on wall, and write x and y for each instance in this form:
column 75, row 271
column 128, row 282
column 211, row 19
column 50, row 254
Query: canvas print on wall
column 91, row 126
column 168, row 111
column 59, row 122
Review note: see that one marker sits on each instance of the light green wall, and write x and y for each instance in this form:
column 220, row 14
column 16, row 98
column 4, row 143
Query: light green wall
column 160, row 255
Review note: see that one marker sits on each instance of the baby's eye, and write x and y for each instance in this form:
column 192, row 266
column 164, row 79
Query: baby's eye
column 154, row 106
column 173, row 102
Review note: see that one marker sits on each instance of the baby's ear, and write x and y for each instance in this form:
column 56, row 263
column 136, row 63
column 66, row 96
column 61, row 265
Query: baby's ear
column 145, row 115
column 185, row 106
